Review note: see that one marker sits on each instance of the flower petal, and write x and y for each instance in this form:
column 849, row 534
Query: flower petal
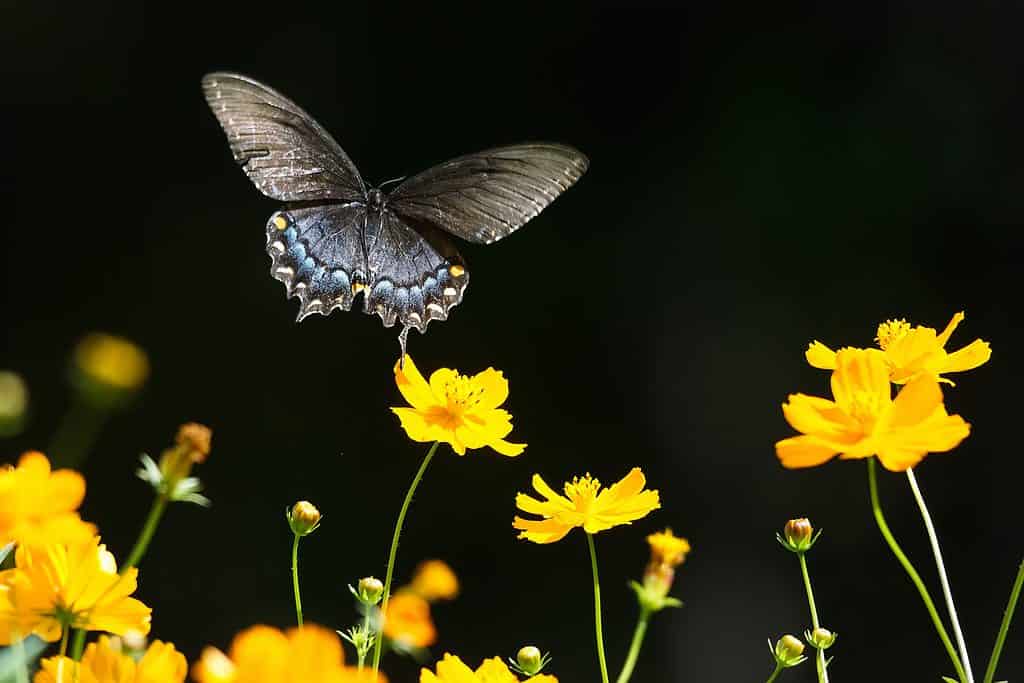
column 804, row 451
column 507, row 447
column 861, row 374
column 969, row 357
column 494, row 670
column 541, row 487
column 541, row 530
column 946, row 333
column 820, row 417
column 820, row 356
column 493, row 387
column 918, row 399
column 438, row 384
column 413, row 387
column 418, row 428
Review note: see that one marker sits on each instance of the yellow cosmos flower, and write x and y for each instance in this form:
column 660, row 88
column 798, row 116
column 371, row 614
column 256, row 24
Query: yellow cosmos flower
column 112, row 361
column 435, row 580
column 667, row 549
column 407, row 620
column 451, row 670
column 458, row 410
column 584, row 505
column 911, row 351
column 262, row 654
column 57, row 586
column 865, row 420
column 103, row 662
column 38, row 506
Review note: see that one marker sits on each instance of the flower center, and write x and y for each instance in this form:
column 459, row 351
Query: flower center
column 462, row 394
column 582, row 491
column 865, row 407
column 891, row 331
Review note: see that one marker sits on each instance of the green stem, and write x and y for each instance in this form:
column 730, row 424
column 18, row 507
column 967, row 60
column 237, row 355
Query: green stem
column 597, row 610
column 76, row 434
column 146, row 535
column 62, row 654
column 820, row 657
column 775, row 674
column 940, row 566
column 1011, row 605
column 361, row 652
column 634, row 646
column 911, row 572
column 78, row 644
column 394, row 551
column 295, row 579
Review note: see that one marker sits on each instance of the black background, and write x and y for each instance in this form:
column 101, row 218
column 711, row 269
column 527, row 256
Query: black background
column 759, row 178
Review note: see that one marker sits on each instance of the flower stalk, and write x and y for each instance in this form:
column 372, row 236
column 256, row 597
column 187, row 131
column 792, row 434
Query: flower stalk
column 634, row 646
column 820, row 658
column 379, row 641
column 148, row 530
column 943, row 579
column 915, row 578
column 1004, row 627
column 597, row 610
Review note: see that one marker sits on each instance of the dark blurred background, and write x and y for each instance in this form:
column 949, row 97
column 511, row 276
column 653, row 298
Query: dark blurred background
column 760, row 177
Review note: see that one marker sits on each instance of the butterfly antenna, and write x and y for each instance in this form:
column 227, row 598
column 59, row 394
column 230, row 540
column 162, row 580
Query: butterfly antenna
column 403, row 336
column 393, row 180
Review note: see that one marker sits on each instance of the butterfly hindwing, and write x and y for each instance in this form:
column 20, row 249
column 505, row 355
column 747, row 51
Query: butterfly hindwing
column 286, row 154
column 416, row 274
column 486, row 196
column 317, row 252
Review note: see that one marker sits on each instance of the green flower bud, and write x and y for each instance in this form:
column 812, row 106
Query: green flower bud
column 788, row 651
column 529, row 659
column 370, row 590
column 798, row 535
column 820, row 638
column 303, row 518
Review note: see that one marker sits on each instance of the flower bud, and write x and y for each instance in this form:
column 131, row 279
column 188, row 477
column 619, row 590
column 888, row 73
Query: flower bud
column 789, row 651
column 370, row 590
column 820, row 638
column 303, row 518
column 798, row 535
column 13, row 403
column 529, row 659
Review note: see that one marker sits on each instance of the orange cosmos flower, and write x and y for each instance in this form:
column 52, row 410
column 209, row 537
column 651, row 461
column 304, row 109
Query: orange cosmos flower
column 57, row 586
column 103, row 662
column 864, row 420
column 910, row 351
column 262, row 654
column 456, row 409
column 407, row 620
column 39, row 506
column 585, row 505
column 435, row 580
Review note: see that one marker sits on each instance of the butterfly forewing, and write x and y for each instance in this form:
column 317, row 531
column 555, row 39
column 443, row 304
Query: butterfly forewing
column 286, row 154
column 486, row 196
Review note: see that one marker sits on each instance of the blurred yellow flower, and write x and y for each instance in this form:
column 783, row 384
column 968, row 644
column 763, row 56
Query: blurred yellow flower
column 435, row 580
column 38, row 506
column 13, row 403
column 112, row 361
column 458, row 410
column 104, row 662
column 57, row 586
column 451, row 670
column 864, row 420
column 407, row 620
column 667, row 549
column 910, row 351
column 584, row 505
column 262, row 654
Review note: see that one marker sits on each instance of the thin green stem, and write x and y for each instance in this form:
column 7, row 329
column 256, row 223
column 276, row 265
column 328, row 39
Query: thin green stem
column 634, row 646
column 597, row 610
column 943, row 579
column 775, row 674
column 78, row 644
column 1011, row 605
column 62, row 654
column 394, row 551
column 295, row 580
column 361, row 651
column 876, row 508
column 819, row 659
column 76, row 434
column 146, row 535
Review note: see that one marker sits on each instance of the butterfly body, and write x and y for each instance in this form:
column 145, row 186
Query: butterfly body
column 334, row 240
